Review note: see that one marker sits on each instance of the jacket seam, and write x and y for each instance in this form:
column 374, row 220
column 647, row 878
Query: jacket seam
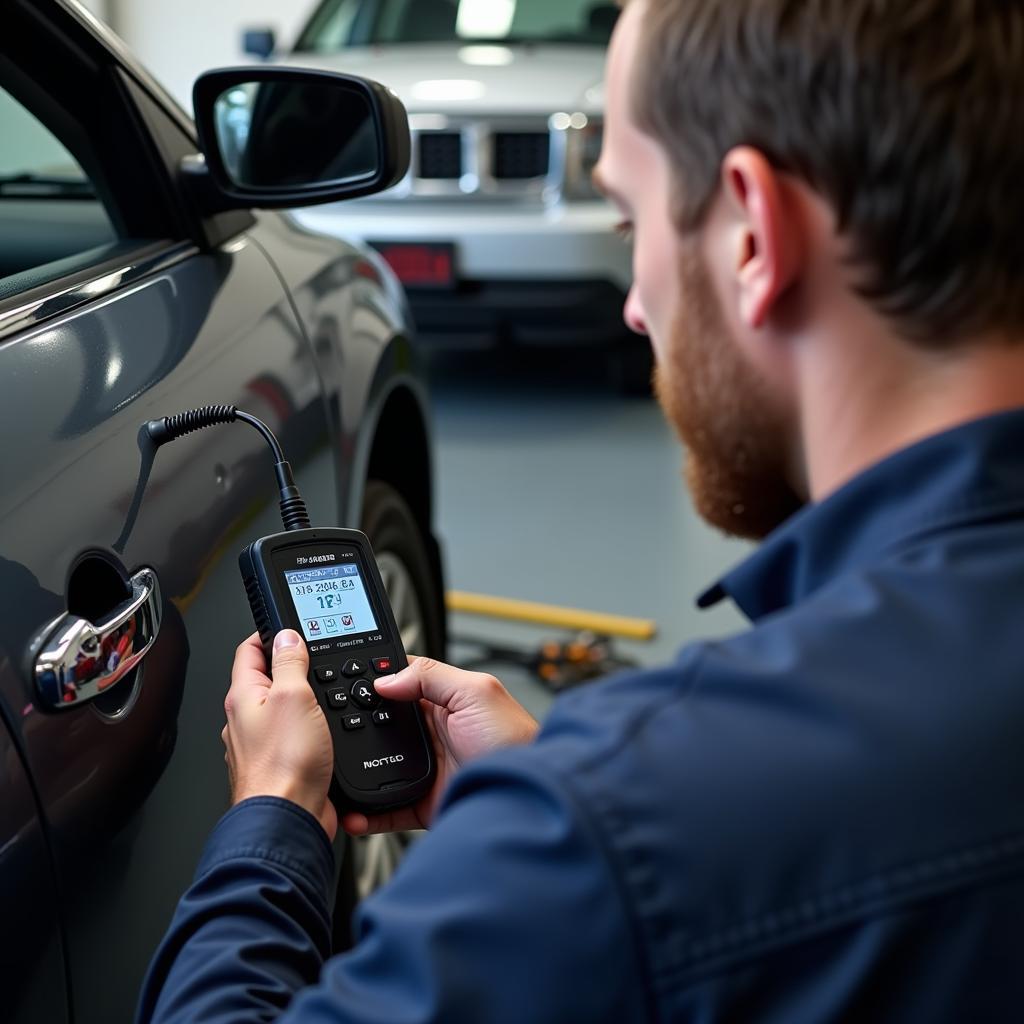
column 617, row 873
column 875, row 896
column 289, row 807
column 302, row 871
column 263, row 854
column 641, row 718
column 638, row 932
column 871, row 898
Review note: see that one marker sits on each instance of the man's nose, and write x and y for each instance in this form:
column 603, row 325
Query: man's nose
column 633, row 313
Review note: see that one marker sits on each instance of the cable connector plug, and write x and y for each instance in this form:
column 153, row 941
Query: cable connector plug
column 293, row 508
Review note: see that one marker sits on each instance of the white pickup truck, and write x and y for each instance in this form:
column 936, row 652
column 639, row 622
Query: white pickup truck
column 496, row 232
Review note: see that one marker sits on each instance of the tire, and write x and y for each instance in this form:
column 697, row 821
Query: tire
column 405, row 567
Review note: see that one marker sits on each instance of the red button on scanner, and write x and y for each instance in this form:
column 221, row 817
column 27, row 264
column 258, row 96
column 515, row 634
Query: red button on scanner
column 381, row 665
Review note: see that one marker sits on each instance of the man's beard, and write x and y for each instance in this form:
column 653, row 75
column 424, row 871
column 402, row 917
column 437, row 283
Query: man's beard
column 734, row 433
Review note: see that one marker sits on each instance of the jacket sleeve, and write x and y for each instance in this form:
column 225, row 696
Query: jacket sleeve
column 254, row 926
column 509, row 910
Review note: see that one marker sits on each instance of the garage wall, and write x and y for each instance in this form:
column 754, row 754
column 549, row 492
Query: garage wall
column 177, row 39
column 98, row 7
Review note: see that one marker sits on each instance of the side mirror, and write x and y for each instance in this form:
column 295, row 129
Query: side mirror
column 281, row 137
column 258, row 42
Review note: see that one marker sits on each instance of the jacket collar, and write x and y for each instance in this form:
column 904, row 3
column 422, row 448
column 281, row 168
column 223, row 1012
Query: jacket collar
column 974, row 471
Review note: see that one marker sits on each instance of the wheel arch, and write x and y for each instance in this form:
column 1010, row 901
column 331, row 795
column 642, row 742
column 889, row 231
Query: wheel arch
column 398, row 451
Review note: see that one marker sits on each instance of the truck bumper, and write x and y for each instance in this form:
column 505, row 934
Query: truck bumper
column 523, row 275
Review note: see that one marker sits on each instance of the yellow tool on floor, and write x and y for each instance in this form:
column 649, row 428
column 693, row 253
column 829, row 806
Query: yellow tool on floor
column 551, row 615
column 558, row 664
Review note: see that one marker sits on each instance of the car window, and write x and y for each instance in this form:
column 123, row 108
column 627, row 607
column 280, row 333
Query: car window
column 331, row 26
column 340, row 23
column 49, row 210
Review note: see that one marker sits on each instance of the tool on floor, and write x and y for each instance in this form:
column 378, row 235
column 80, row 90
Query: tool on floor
column 559, row 664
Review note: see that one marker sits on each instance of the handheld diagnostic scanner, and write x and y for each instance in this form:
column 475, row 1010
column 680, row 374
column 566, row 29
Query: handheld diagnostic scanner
column 324, row 583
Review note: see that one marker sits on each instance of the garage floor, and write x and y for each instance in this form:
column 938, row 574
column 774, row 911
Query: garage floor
column 554, row 489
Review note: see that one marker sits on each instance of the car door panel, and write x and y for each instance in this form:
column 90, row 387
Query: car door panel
column 108, row 804
column 31, row 953
column 129, row 798
column 356, row 316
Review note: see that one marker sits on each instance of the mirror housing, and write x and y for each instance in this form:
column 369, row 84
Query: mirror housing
column 267, row 142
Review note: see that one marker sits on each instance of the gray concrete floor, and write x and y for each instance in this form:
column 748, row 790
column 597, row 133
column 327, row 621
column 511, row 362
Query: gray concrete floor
column 552, row 488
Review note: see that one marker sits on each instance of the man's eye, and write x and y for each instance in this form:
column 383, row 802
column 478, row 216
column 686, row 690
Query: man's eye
column 624, row 229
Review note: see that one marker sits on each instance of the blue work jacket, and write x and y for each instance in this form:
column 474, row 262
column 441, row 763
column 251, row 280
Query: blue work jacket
column 819, row 819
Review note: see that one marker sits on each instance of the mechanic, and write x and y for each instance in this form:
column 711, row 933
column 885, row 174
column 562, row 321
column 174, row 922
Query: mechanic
column 822, row 817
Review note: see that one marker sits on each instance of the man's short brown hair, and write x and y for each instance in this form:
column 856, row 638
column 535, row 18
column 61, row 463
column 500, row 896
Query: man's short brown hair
column 906, row 115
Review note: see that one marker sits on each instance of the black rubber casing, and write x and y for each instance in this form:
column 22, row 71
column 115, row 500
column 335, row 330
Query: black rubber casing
column 378, row 766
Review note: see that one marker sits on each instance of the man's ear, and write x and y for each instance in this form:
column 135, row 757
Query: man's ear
column 767, row 245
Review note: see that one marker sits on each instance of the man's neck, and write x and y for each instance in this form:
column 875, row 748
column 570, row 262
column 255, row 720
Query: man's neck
column 865, row 398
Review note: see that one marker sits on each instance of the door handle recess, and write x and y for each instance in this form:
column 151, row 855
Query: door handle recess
column 74, row 661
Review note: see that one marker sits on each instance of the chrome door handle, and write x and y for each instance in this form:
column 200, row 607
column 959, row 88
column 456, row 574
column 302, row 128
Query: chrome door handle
column 75, row 661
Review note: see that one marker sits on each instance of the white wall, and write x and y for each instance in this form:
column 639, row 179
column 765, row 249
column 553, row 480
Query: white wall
column 177, row 39
column 98, row 7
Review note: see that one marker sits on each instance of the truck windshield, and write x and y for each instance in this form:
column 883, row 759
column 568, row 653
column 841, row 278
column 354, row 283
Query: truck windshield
column 338, row 24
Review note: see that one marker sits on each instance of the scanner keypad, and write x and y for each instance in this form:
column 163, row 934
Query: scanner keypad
column 359, row 693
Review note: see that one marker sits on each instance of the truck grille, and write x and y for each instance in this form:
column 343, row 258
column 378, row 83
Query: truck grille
column 519, row 155
column 440, row 155
column 513, row 158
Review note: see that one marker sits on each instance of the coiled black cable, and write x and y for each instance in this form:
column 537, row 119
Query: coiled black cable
column 293, row 509
column 170, row 428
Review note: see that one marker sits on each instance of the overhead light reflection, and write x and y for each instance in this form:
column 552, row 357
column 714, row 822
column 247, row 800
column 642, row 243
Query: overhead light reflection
column 114, row 368
column 101, row 285
column 485, row 19
column 486, row 56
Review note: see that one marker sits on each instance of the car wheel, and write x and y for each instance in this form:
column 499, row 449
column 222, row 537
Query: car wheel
column 404, row 566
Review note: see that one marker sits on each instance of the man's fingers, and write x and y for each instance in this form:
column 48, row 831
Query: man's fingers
column 249, row 655
column 403, row 820
column 249, row 680
column 250, row 683
column 441, row 684
column 356, row 824
column 291, row 659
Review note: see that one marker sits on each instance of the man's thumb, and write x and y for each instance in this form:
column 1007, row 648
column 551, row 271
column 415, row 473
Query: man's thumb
column 427, row 679
column 291, row 659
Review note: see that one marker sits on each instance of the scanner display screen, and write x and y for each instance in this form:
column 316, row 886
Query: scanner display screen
column 330, row 601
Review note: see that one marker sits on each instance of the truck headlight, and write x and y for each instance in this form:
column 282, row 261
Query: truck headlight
column 582, row 146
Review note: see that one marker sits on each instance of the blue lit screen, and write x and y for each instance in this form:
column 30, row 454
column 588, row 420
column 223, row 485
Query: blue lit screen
column 330, row 601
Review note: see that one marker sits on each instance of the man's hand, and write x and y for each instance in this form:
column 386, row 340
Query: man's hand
column 468, row 714
column 277, row 739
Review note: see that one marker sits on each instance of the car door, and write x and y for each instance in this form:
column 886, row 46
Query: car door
column 31, row 950
column 111, row 314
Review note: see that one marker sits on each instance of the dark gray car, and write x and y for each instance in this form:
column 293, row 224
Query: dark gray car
column 132, row 288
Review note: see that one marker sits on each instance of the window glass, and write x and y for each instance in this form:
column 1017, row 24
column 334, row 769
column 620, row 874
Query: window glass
column 30, row 150
column 339, row 23
column 331, row 27
column 48, row 208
